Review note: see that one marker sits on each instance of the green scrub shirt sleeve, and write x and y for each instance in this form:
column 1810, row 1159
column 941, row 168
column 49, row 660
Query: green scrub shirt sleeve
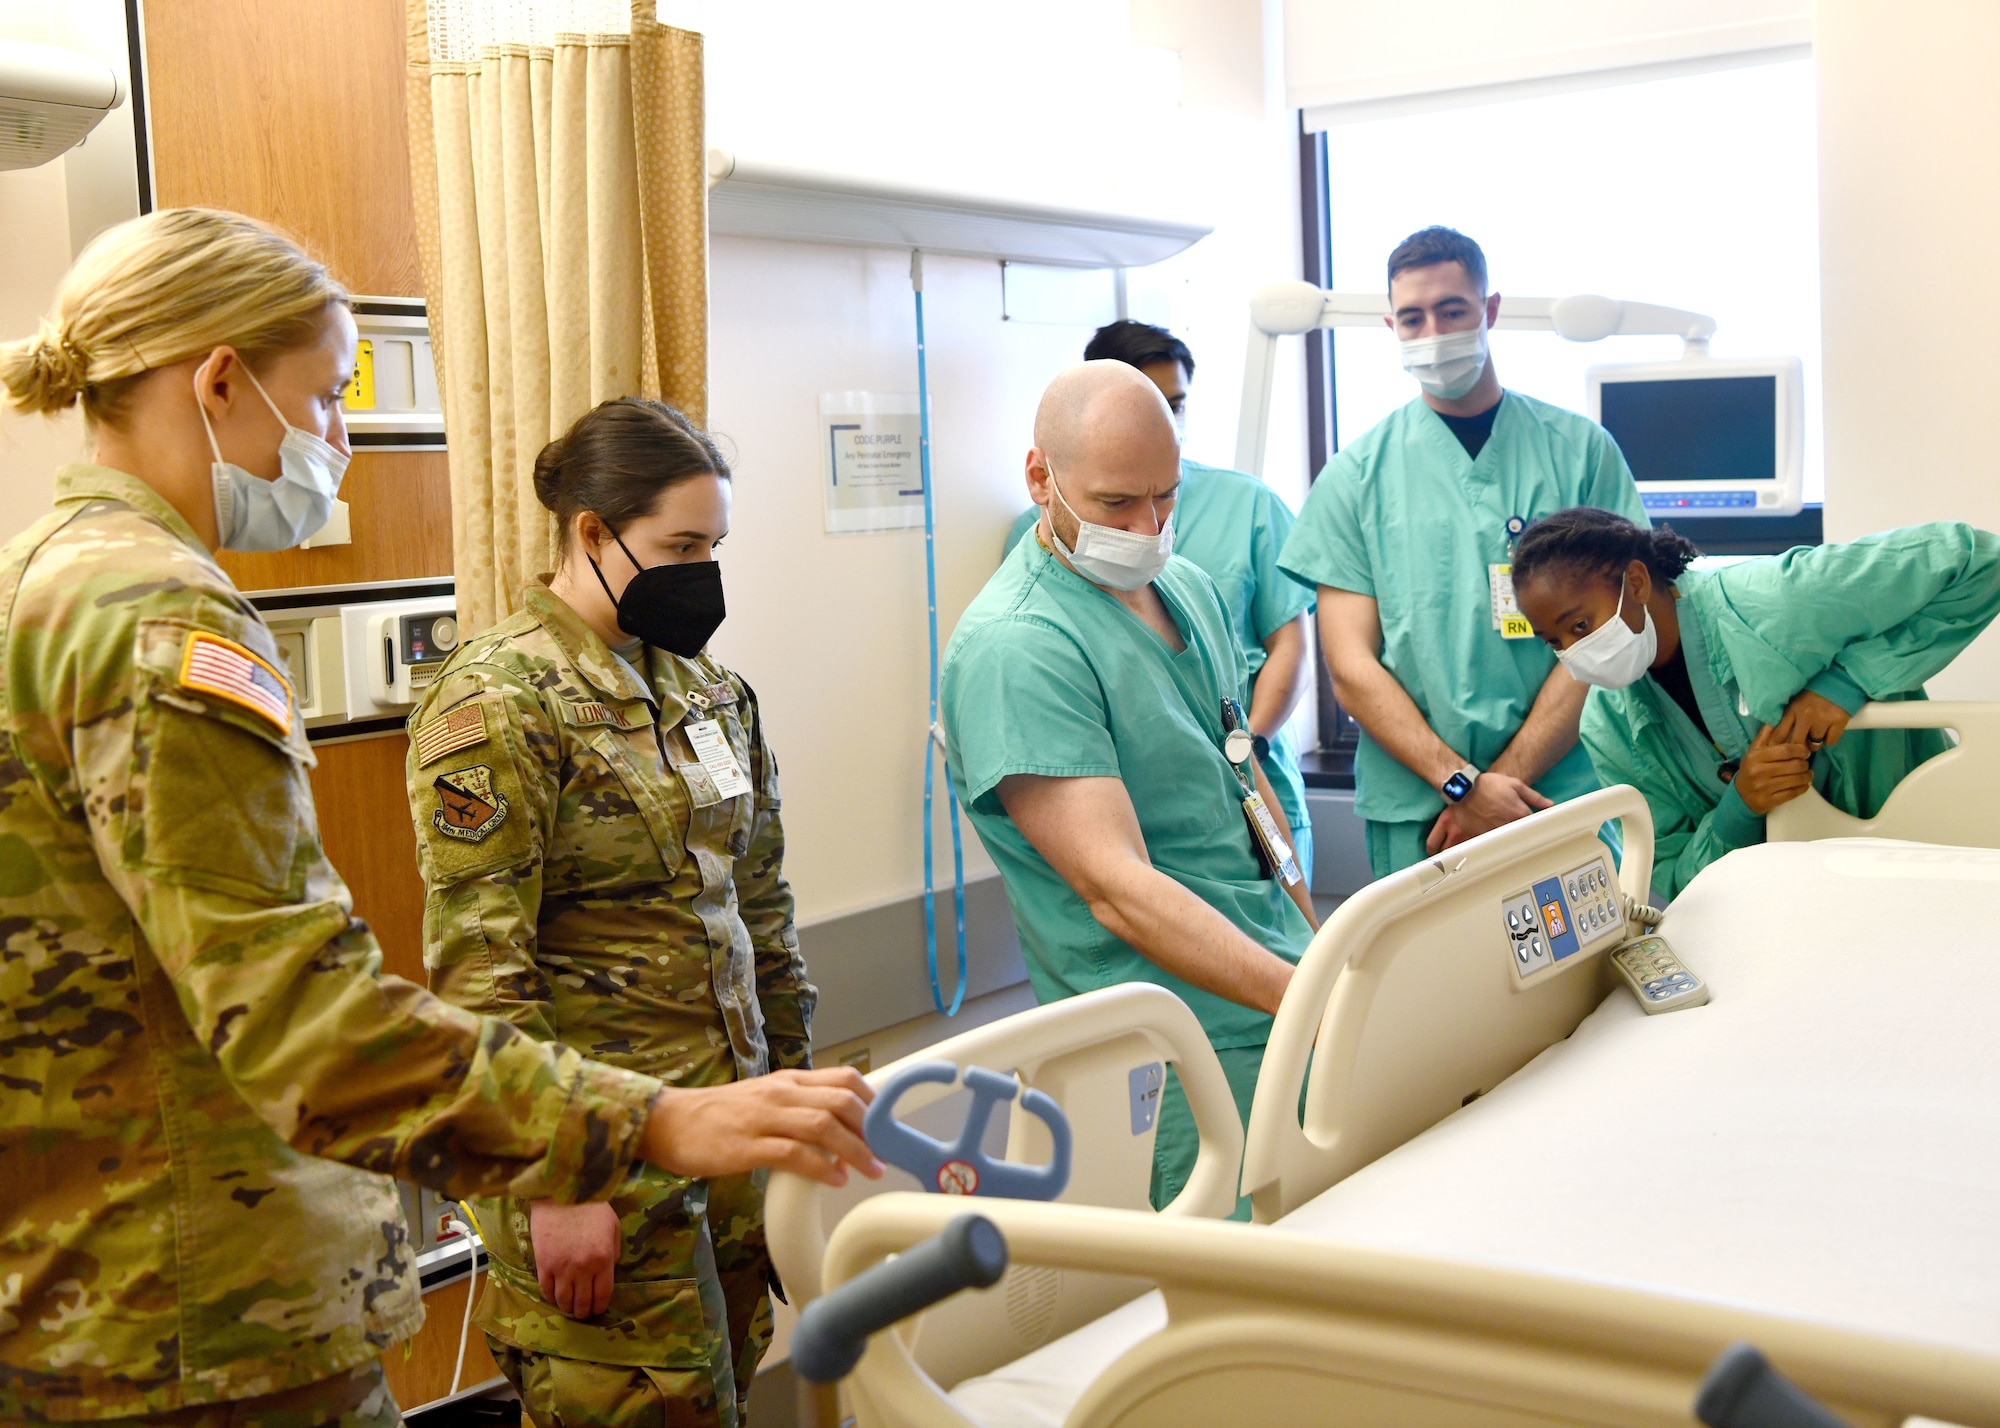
column 1278, row 600
column 1327, row 546
column 1685, row 839
column 1930, row 590
column 1835, row 684
column 1019, row 697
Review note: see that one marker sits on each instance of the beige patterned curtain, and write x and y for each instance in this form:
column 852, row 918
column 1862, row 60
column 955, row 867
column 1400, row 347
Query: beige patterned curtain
column 559, row 161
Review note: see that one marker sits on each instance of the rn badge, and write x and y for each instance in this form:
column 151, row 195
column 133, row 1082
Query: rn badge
column 468, row 806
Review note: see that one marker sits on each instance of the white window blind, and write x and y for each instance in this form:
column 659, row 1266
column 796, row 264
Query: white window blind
column 1350, row 60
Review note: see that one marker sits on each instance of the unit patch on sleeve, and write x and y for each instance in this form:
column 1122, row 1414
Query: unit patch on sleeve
column 215, row 666
column 448, row 733
column 468, row 808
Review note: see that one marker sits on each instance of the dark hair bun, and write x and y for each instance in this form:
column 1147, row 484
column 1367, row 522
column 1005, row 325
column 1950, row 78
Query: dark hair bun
column 549, row 473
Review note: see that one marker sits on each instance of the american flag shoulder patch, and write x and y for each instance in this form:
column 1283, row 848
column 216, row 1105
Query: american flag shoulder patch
column 226, row 670
column 450, row 732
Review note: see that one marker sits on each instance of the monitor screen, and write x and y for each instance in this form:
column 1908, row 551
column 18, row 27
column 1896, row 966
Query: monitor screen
column 1703, row 429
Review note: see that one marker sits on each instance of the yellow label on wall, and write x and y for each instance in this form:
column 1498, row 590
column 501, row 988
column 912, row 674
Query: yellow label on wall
column 360, row 393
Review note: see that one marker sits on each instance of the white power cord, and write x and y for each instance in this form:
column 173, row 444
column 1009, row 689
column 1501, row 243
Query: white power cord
column 471, row 1288
column 1644, row 914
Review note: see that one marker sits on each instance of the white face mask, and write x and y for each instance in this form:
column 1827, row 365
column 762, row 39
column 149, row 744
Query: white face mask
column 1449, row 366
column 1105, row 555
column 1613, row 655
column 251, row 514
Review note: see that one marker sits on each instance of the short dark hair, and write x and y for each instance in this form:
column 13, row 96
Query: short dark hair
column 617, row 460
column 1592, row 542
column 1137, row 344
column 1438, row 244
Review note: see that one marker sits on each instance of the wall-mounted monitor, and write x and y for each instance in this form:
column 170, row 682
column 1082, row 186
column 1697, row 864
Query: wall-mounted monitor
column 1707, row 436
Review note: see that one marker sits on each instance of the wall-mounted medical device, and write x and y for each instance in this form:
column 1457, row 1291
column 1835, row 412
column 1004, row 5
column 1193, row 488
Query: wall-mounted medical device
column 1723, row 436
column 392, row 403
column 1708, row 436
column 361, row 655
column 50, row 99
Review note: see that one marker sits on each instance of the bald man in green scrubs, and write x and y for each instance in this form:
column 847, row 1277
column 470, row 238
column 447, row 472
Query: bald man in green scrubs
column 1082, row 705
column 1233, row 526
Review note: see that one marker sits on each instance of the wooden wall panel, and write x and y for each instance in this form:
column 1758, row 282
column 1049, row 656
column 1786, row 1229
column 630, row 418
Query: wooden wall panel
column 424, row 1373
column 364, row 823
column 290, row 111
column 399, row 506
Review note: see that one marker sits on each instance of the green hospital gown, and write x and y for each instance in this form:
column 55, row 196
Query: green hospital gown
column 1871, row 619
column 1233, row 526
column 1405, row 516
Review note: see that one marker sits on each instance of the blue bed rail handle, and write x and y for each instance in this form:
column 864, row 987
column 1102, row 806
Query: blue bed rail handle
column 968, row 1253
column 1742, row 1390
column 963, row 1168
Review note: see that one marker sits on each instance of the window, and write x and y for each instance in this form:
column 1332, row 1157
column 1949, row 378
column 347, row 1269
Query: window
column 1698, row 192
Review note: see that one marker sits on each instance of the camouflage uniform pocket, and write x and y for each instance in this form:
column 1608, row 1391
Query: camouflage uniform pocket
column 225, row 805
column 657, row 1323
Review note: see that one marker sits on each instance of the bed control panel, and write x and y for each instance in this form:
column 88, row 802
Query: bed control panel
column 1560, row 916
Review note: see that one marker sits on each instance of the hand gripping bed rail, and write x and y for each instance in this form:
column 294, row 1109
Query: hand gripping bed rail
column 1406, row 1007
column 964, row 1167
column 1946, row 799
column 1313, row 1333
column 1087, row 1055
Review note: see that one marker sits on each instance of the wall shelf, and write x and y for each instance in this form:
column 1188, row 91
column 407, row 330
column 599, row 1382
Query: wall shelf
column 753, row 200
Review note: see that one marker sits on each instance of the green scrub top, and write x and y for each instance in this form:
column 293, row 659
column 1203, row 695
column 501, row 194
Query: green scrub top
column 1872, row 619
column 1233, row 526
column 1404, row 515
column 1048, row 674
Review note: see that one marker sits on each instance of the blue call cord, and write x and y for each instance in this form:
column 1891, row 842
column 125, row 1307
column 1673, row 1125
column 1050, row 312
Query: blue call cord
column 934, row 736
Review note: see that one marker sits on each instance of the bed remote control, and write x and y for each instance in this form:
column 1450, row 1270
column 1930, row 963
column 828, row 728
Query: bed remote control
column 1657, row 977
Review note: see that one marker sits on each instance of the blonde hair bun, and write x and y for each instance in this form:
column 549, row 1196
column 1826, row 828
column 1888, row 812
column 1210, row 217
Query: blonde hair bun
column 46, row 373
column 163, row 288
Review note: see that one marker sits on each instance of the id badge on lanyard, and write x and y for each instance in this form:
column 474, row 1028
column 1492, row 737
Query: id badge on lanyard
column 1274, row 854
column 1507, row 616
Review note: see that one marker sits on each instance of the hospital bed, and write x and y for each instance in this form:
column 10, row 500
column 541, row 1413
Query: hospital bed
column 1510, row 1199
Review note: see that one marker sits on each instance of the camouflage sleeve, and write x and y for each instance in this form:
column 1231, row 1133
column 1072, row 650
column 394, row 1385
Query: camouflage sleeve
column 483, row 874
column 765, row 898
column 194, row 787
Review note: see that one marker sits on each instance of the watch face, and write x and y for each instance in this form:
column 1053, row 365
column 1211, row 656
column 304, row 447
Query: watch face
column 1457, row 786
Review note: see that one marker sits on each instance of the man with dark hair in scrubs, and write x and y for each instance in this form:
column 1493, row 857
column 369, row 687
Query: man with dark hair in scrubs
column 1466, row 722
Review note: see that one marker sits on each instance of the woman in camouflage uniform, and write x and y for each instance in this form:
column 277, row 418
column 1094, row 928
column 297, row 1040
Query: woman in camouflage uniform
column 598, row 814
column 189, row 1014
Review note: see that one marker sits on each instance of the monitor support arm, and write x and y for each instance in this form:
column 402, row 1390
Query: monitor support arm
column 1284, row 308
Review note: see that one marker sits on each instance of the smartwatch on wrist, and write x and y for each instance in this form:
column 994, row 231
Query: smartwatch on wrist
column 1459, row 784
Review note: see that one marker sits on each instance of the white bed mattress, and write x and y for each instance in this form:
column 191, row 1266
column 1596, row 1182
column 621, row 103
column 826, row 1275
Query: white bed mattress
column 1822, row 1139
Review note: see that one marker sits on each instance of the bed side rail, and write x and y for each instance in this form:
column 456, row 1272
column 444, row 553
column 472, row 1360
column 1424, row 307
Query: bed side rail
column 1409, row 1003
column 1946, row 799
column 1101, row 1057
column 1287, row 1329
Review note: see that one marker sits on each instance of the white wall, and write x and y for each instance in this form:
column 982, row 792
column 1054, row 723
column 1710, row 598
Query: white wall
column 34, row 218
column 1909, row 213
column 1052, row 100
